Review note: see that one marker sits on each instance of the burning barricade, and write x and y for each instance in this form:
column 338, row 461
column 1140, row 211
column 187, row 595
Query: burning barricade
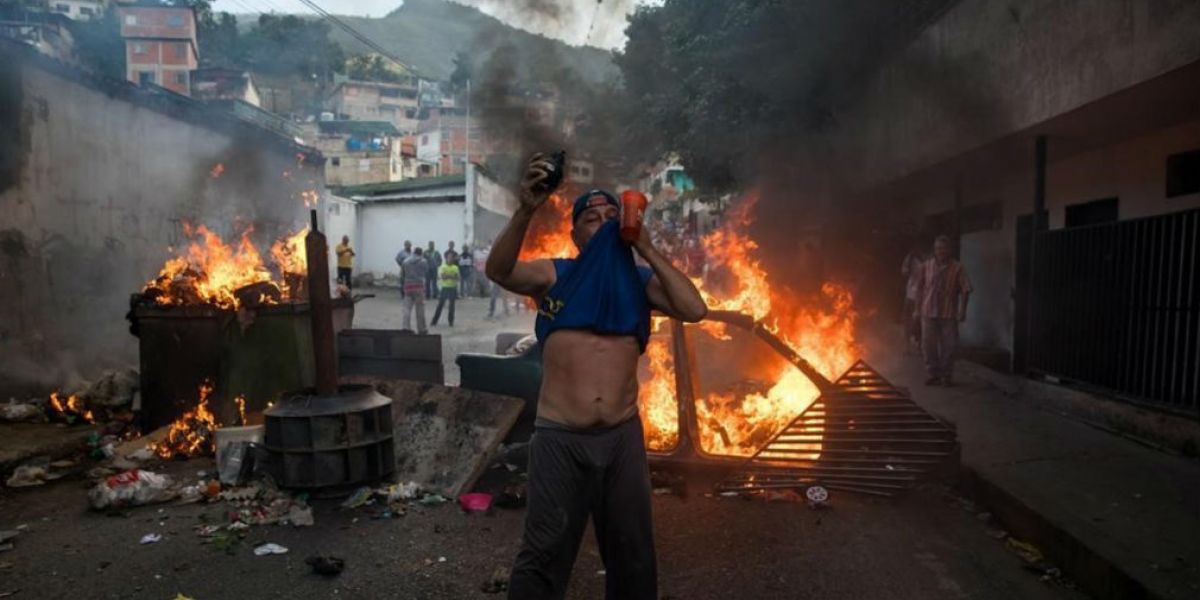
column 240, row 316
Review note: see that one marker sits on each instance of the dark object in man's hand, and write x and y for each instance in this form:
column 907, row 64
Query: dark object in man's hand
column 554, row 176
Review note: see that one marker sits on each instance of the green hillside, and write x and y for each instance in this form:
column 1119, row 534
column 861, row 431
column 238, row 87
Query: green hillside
column 426, row 34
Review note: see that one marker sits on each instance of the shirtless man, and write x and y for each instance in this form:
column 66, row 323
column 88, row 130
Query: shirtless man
column 587, row 455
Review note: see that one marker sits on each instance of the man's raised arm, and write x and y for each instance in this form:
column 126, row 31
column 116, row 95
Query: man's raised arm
column 531, row 278
column 670, row 291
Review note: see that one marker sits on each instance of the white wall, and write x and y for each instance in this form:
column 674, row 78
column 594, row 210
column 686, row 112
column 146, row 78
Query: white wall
column 340, row 219
column 383, row 227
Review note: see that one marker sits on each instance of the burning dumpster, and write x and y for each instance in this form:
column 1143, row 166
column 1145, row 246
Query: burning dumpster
column 217, row 314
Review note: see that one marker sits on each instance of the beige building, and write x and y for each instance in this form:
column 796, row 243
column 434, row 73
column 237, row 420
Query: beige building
column 361, row 152
column 396, row 103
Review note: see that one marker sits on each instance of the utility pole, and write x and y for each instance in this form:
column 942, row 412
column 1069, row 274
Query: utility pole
column 467, row 127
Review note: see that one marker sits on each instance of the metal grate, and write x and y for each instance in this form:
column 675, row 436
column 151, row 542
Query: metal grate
column 862, row 435
column 1117, row 306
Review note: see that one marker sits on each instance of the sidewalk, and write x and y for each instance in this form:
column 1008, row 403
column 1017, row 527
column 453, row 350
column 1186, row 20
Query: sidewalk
column 1120, row 518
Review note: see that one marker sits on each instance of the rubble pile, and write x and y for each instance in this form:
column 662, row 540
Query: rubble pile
column 108, row 400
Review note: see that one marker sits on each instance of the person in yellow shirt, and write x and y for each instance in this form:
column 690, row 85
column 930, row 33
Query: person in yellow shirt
column 448, row 276
column 345, row 261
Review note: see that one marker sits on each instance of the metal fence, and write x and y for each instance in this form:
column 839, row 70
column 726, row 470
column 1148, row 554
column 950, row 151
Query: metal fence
column 1117, row 306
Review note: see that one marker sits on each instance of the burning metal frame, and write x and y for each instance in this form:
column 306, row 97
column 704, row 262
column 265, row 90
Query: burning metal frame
column 862, row 434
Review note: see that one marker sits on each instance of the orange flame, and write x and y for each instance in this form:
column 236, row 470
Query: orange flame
column 74, row 408
column 819, row 326
column 211, row 271
column 549, row 234
column 217, row 170
column 191, row 434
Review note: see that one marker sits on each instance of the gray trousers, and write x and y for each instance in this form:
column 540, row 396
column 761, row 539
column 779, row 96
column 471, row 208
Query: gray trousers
column 939, row 341
column 414, row 301
column 574, row 474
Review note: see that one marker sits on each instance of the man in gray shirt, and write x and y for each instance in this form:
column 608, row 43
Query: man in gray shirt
column 412, row 284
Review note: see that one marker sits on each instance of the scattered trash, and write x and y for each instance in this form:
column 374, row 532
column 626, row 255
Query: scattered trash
column 182, row 597
column 301, row 516
column 433, row 500
column 144, row 454
column 326, row 565
column 497, row 583
column 360, row 497
column 1028, row 552
column 782, row 496
column 29, row 475
column 269, row 548
column 441, row 559
column 513, row 496
column 131, row 488
column 151, row 538
column 20, row 411
column 818, row 497
column 728, row 494
column 475, row 502
column 401, row 491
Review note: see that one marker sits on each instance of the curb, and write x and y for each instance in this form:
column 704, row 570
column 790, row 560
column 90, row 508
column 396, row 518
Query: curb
column 1092, row 572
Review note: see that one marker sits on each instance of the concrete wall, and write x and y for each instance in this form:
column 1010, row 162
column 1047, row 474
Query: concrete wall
column 1133, row 170
column 96, row 182
column 384, row 226
column 987, row 69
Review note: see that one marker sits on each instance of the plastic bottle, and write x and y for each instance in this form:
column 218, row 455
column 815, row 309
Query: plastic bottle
column 633, row 209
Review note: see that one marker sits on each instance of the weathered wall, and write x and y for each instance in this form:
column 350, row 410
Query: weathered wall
column 1133, row 170
column 988, row 69
column 96, row 181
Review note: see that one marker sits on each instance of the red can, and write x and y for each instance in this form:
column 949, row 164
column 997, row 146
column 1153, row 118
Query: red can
column 633, row 209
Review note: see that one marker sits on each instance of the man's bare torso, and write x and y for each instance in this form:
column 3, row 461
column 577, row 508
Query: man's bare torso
column 589, row 380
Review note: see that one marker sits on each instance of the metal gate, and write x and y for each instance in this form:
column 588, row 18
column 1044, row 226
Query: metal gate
column 1117, row 306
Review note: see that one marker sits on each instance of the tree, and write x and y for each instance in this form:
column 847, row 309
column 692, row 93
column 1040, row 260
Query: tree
column 289, row 45
column 98, row 44
column 729, row 82
column 372, row 67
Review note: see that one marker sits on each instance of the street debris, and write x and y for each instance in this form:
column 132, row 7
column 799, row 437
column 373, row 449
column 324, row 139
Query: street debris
column 17, row 412
column 5, row 537
column 818, row 497
column 131, row 488
column 30, row 475
column 328, row 566
column 151, row 538
column 498, row 582
column 360, row 497
column 269, row 548
column 475, row 502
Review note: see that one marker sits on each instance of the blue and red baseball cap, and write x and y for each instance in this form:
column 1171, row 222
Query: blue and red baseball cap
column 593, row 198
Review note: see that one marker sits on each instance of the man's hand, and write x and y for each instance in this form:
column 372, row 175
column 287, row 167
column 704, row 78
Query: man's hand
column 532, row 192
column 644, row 244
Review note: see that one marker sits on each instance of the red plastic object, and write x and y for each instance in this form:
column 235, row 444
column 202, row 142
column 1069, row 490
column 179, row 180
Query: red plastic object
column 475, row 502
column 633, row 209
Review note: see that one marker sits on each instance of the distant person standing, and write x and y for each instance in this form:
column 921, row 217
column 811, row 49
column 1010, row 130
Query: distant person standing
column 345, row 261
column 448, row 276
column 466, row 267
column 407, row 251
column 435, row 260
column 910, row 269
column 450, row 252
column 412, row 285
column 942, row 293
